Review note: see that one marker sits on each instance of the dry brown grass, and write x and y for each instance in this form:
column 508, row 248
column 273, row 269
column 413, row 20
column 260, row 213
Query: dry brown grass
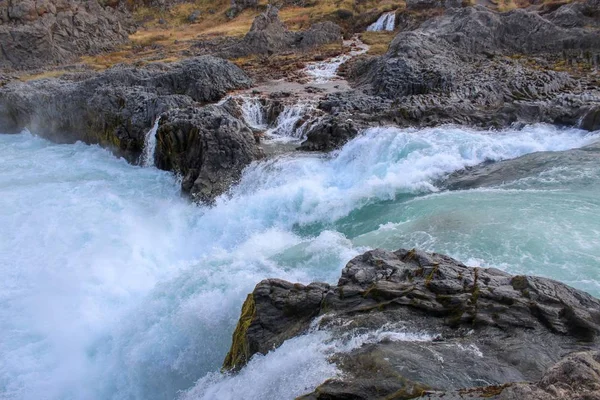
column 42, row 75
column 378, row 41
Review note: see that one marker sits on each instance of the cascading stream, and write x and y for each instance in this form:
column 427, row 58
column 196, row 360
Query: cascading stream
column 114, row 287
column 150, row 145
column 386, row 22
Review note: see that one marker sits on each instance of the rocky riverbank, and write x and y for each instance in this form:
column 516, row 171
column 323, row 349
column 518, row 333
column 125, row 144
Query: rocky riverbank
column 471, row 327
column 469, row 66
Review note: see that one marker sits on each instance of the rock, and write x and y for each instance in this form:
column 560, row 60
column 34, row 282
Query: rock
column 118, row 106
column 494, row 174
column 207, row 146
column 194, row 16
column 470, row 325
column 329, row 133
column 474, row 66
column 591, row 119
column 39, row 33
column 422, row 4
column 575, row 377
column 268, row 35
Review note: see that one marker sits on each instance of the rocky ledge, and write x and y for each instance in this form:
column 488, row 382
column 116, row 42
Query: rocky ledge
column 488, row 331
column 475, row 66
column 118, row 107
column 39, row 33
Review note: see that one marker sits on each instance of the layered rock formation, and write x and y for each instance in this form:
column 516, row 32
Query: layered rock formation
column 486, row 327
column 475, row 66
column 39, row 33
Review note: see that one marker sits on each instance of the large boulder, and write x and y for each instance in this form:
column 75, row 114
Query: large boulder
column 38, row 33
column 207, row 146
column 470, row 325
column 268, row 35
column 116, row 107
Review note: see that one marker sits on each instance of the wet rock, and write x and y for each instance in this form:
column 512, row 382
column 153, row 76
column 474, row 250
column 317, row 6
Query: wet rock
column 208, row 146
column 462, row 326
column 591, row 119
column 329, row 133
column 34, row 34
column 116, row 107
column 494, row 174
column 575, row 377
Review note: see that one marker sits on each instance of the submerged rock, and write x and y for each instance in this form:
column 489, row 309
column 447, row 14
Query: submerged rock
column 494, row 174
column 463, row 327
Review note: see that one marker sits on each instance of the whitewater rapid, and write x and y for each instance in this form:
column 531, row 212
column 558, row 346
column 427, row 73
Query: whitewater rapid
column 114, row 287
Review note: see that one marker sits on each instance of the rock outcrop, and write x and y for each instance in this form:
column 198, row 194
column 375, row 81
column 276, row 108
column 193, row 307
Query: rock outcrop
column 118, row 106
column 268, row 35
column 475, row 66
column 207, row 146
column 482, row 326
column 39, row 33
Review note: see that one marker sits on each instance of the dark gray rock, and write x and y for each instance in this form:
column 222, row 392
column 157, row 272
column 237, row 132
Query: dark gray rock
column 487, row 327
column 207, row 146
column 39, row 33
column 591, row 119
column 268, row 35
column 422, row 4
column 116, row 107
column 329, row 133
column 474, row 66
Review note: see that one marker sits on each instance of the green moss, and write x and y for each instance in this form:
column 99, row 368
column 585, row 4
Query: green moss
column 239, row 353
column 431, row 275
column 519, row 282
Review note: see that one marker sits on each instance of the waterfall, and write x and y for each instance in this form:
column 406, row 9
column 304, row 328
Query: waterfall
column 386, row 22
column 325, row 71
column 150, row 145
column 253, row 113
column 288, row 122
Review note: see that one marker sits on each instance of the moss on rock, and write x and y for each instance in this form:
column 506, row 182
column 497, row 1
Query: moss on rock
column 238, row 355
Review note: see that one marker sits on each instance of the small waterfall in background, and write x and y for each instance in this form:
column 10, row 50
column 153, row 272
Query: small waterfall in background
column 150, row 145
column 288, row 122
column 253, row 113
column 325, row 71
column 386, row 22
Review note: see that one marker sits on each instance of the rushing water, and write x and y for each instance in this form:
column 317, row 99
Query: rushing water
column 386, row 22
column 113, row 287
column 150, row 145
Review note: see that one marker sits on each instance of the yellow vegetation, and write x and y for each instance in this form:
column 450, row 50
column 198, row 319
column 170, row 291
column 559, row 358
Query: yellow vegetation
column 42, row 75
column 378, row 41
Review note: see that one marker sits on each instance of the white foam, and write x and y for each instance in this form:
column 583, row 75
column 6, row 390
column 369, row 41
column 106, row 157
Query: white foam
column 115, row 287
column 150, row 145
column 253, row 112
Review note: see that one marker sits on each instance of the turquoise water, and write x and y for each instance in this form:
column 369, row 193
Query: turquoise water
column 114, row 287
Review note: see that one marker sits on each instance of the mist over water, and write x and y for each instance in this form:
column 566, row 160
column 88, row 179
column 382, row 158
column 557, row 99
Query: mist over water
column 114, row 287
